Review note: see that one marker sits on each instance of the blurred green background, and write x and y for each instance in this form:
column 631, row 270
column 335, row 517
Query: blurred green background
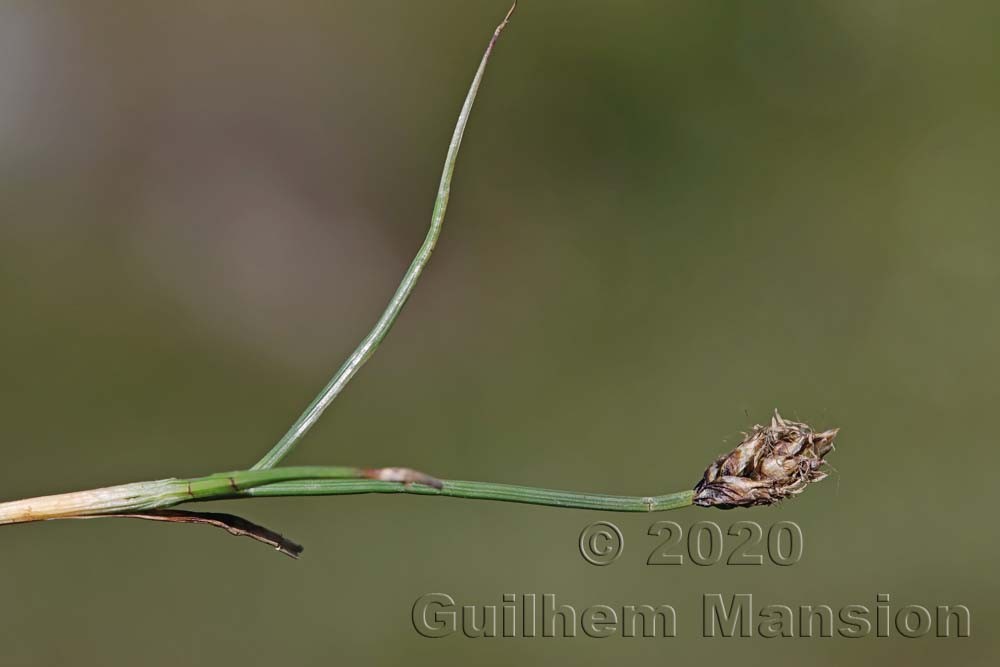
column 668, row 219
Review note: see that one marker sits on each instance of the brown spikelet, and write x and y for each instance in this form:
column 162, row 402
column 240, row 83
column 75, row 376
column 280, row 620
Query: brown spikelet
column 772, row 463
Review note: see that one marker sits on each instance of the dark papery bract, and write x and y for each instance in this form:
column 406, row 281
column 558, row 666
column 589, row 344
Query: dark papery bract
column 772, row 463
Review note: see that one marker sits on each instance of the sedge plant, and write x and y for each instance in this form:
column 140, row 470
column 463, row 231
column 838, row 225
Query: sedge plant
column 773, row 462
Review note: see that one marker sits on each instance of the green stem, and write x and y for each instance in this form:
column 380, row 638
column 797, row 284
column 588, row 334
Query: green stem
column 311, row 481
column 339, row 480
column 162, row 493
column 482, row 491
column 371, row 342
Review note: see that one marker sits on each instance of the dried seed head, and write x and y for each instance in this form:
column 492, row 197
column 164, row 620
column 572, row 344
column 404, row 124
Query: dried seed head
column 772, row 463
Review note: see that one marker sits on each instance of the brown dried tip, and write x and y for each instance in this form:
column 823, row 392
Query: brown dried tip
column 772, row 463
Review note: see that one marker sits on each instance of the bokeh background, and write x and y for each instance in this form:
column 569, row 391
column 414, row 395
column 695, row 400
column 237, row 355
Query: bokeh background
column 668, row 219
